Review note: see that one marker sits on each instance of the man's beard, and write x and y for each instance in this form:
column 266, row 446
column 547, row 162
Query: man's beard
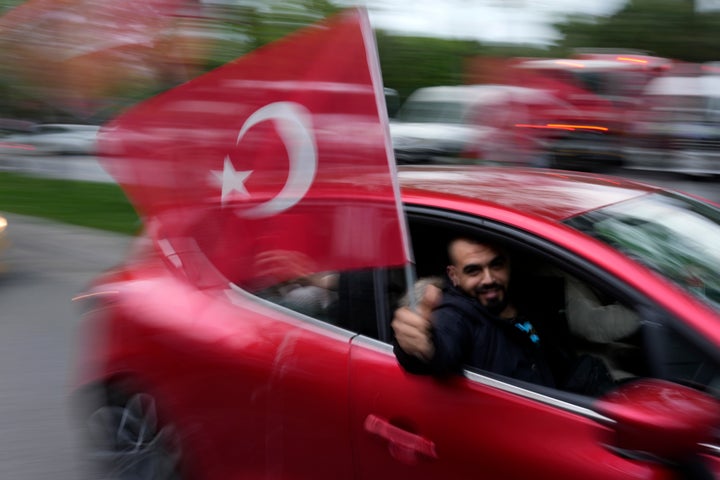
column 493, row 305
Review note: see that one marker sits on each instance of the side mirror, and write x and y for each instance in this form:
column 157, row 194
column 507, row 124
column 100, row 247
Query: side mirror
column 659, row 420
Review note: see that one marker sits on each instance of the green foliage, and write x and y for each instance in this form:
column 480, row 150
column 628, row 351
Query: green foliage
column 89, row 204
column 283, row 18
column 408, row 63
column 246, row 28
column 6, row 5
column 667, row 28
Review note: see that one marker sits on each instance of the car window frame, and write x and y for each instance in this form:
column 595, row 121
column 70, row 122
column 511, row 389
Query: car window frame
column 659, row 319
column 349, row 327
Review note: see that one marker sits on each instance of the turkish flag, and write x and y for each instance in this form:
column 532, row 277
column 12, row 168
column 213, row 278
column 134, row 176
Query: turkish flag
column 274, row 166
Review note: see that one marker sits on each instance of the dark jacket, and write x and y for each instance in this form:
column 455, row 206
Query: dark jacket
column 465, row 333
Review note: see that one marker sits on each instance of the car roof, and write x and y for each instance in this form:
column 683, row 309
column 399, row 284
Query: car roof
column 472, row 93
column 551, row 194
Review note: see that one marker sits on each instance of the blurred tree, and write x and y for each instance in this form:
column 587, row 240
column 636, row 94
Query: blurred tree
column 247, row 25
column 197, row 37
column 408, row 63
column 6, row 5
column 231, row 28
column 667, row 28
column 279, row 18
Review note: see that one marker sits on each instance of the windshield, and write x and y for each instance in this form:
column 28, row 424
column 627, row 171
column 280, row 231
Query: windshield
column 673, row 235
column 433, row 112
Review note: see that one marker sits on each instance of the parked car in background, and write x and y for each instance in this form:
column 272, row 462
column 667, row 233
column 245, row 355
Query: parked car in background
column 677, row 128
column 497, row 124
column 601, row 88
column 9, row 126
column 52, row 139
column 434, row 125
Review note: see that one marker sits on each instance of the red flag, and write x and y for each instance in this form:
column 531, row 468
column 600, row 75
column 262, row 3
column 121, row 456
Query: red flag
column 276, row 165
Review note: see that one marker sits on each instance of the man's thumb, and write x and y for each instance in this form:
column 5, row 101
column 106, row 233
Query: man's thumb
column 431, row 297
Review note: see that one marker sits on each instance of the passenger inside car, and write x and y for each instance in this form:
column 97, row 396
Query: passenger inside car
column 594, row 327
column 359, row 301
column 569, row 311
column 314, row 295
column 576, row 313
column 487, row 320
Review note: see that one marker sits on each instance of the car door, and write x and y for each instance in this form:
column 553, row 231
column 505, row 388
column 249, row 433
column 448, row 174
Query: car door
column 471, row 426
column 484, row 425
column 306, row 430
column 299, row 353
column 253, row 388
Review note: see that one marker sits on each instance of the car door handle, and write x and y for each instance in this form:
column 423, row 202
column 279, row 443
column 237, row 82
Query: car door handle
column 404, row 445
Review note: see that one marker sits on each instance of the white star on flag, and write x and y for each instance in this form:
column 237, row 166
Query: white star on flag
column 231, row 180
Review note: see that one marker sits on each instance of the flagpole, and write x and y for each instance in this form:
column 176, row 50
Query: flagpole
column 410, row 279
column 374, row 63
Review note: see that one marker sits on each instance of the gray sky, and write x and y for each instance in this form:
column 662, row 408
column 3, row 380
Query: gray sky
column 487, row 20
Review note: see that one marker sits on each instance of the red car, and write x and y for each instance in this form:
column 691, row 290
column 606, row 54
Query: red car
column 249, row 335
column 223, row 383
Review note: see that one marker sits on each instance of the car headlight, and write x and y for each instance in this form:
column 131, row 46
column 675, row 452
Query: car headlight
column 3, row 224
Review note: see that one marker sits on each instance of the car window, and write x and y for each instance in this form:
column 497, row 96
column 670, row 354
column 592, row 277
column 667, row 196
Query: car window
column 43, row 129
column 361, row 301
column 313, row 295
column 583, row 311
column 675, row 356
column 594, row 321
column 671, row 234
column 433, row 111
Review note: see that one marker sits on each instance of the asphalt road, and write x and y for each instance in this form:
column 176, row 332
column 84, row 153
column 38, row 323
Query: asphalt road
column 44, row 268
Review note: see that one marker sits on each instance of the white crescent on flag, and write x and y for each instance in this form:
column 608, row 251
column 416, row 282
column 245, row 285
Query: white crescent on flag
column 294, row 124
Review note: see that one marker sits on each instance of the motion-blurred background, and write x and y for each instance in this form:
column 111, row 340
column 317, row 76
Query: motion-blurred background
column 627, row 86
column 617, row 83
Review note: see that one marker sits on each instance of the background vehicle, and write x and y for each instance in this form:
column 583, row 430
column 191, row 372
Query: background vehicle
column 678, row 126
column 601, row 92
column 13, row 126
column 258, row 370
column 474, row 123
column 52, row 139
